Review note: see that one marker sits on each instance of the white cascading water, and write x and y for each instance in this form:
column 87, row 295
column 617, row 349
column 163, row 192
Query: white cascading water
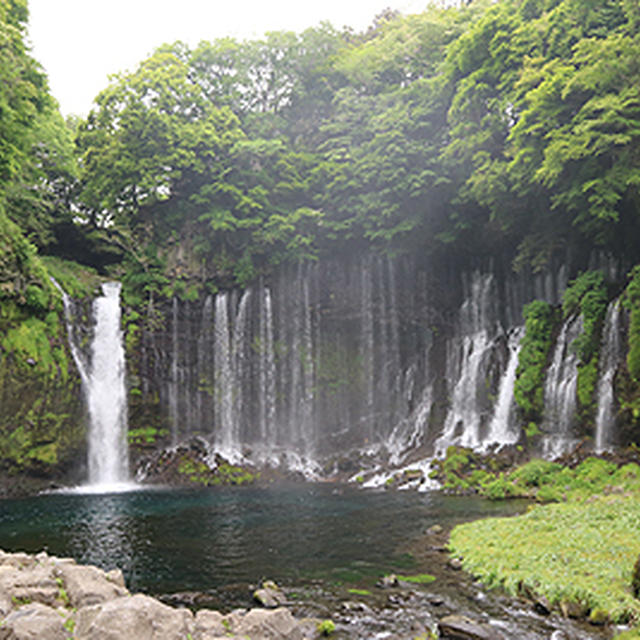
column 267, row 374
column 367, row 347
column 106, row 395
column 560, row 391
column 609, row 359
column 73, row 346
column 223, row 377
column 502, row 430
column 466, row 366
column 175, row 377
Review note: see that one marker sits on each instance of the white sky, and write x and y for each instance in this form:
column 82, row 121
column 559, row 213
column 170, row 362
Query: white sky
column 81, row 42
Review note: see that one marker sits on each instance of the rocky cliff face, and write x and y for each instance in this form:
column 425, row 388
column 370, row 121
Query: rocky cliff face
column 386, row 356
column 365, row 356
column 42, row 422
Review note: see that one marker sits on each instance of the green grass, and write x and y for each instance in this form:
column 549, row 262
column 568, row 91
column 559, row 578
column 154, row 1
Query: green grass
column 579, row 551
column 422, row 578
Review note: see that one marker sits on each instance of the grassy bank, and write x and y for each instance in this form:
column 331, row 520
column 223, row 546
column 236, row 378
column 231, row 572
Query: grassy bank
column 578, row 553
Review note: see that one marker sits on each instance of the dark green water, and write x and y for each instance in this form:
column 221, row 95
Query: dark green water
column 177, row 540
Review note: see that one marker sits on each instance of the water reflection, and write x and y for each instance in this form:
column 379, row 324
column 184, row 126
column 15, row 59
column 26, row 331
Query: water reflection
column 103, row 531
column 179, row 540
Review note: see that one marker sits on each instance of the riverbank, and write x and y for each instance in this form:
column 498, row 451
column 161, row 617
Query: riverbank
column 576, row 555
column 42, row 596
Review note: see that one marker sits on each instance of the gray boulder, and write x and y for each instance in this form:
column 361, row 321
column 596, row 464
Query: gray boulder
column 32, row 584
column 270, row 595
column 140, row 617
column 34, row 621
column 210, row 625
column 275, row 624
column 457, row 627
column 87, row 586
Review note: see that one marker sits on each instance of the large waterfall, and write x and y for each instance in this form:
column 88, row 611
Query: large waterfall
column 106, row 394
column 102, row 373
column 374, row 358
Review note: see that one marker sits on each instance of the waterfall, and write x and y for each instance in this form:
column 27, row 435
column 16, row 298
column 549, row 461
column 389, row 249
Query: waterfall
column 363, row 354
column 223, row 379
column 501, row 428
column 238, row 365
column 174, row 381
column 467, row 362
column 560, row 391
column 76, row 354
column 609, row 359
column 367, row 346
column 106, row 393
column 267, row 374
column 103, row 385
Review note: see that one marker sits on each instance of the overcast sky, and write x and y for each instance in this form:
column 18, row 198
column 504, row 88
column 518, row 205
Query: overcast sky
column 81, row 42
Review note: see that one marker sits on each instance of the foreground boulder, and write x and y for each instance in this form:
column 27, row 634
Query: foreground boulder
column 140, row 617
column 48, row 598
column 34, row 621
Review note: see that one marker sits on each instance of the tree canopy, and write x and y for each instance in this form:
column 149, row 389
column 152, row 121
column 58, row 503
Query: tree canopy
column 508, row 126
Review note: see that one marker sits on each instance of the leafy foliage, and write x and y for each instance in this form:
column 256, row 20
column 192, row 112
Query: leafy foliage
column 532, row 360
column 587, row 295
column 632, row 302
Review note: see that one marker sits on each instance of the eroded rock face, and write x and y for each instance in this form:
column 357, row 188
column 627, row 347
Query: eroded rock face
column 48, row 598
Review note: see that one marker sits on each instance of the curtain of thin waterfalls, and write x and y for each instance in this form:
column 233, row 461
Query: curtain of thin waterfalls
column 468, row 355
column 267, row 375
column 346, row 354
column 223, row 381
column 610, row 354
column 502, row 429
column 560, row 390
column 106, row 393
column 174, row 382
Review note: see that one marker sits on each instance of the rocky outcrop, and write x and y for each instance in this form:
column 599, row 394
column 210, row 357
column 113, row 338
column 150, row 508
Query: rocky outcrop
column 44, row 597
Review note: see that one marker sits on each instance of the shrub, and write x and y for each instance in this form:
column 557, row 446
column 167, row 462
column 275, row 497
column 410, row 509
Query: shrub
column 587, row 295
column 631, row 302
column 532, row 360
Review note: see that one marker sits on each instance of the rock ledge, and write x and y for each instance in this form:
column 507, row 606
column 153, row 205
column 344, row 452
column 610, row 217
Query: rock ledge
column 47, row 598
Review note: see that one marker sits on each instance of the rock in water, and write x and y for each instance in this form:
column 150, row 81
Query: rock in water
column 270, row 595
column 462, row 628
